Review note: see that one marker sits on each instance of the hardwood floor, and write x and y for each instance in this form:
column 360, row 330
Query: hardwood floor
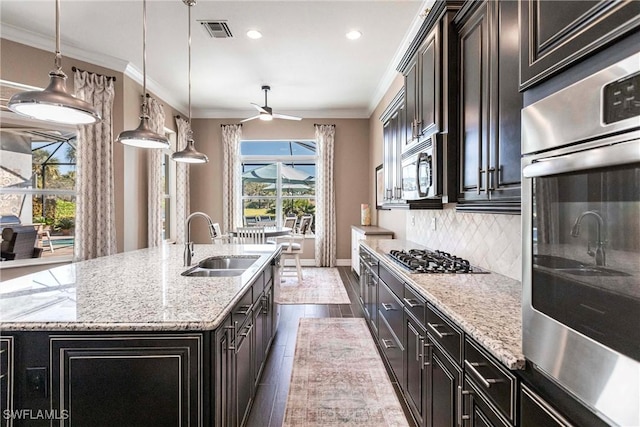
column 271, row 397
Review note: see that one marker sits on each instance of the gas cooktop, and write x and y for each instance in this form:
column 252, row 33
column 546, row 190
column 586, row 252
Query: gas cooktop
column 426, row 261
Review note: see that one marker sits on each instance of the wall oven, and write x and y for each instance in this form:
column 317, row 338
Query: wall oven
column 581, row 239
column 420, row 171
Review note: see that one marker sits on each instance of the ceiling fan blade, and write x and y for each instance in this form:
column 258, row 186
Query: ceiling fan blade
column 250, row 118
column 260, row 108
column 284, row 116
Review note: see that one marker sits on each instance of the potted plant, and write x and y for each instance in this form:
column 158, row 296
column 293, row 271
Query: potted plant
column 64, row 225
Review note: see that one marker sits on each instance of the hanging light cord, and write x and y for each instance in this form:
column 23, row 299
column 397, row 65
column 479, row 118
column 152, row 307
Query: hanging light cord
column 58, row 60
column 145, row 113
column 189, row 3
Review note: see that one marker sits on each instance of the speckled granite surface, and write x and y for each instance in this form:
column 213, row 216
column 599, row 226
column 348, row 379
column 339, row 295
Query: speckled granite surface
column 138, row 290
column 486, row 306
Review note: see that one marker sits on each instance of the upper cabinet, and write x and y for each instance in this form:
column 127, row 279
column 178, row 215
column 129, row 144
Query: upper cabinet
column 393, row 119
column 555, row 34
column 490, row 104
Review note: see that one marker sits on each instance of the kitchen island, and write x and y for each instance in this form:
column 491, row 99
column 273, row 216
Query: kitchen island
column 128, row 340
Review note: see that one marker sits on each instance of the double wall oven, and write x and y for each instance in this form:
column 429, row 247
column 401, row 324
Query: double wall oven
column 581, row 239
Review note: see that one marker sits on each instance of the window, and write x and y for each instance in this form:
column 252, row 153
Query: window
column 38, row 175
column 278, row 180
column 169, row 190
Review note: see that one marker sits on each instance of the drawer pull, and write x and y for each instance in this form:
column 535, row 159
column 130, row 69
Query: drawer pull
column 232, row 340
column 471, row 366
column 2, row 376
column 387, row 307
column 245, row 309
column 461, row 416
column 388, row 344
column 248, row 331
column 412, row 302
column 434, row 327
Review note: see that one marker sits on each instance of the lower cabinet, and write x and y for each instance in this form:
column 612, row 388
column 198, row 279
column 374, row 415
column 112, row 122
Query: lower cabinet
column 243, row 372
column 536, row 412
column 477, row 410
column 6, row 378
column 416, row 381
column 444, row 385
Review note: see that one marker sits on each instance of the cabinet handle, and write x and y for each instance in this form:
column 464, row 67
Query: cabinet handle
column 247, row 309
column 434, row 327
column 387, row 307
column 388, row 344
column 2, row 376
column 248, row 331
column 265, row 304
column 461, row 416
column 425, row 353
column 412, row 302
column 232, row 340
column 480, row 172
column 471, row 366
column 491, row 178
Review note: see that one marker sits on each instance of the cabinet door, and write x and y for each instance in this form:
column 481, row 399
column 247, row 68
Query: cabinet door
column 6, row 378
column 411, row 100
column 557, row 33
column 415, row 364
column 356, row 236
column 443, row 379
column 259, row 315
column 243, row 371
column 223, row 376
column 474, row 98
column 430, row 83
column 117, row 380
column 477, row 409
column 536, row 412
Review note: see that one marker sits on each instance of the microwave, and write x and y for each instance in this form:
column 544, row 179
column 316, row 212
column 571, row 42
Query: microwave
column 419, row 172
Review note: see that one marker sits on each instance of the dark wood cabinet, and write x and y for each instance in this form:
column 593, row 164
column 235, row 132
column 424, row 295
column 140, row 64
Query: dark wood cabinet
column 243, row 371
column 489, row 113
column 6, row 378
column 393, row 119
column 536, row 412
column 476, row 409
column 223, row 352
column 444, row 379
column 416, row 378
column 555, row 34
column 130, row 379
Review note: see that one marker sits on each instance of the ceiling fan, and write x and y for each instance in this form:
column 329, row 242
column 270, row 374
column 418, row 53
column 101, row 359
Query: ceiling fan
column 266, row 113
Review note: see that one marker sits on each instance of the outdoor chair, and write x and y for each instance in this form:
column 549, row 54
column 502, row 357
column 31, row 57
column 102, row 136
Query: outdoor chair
column 19, row 242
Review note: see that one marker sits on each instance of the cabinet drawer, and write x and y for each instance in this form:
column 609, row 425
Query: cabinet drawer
column 494, row 381
column 242, row 310
column 392, row 281
column 392, row 349
column 390, row 307
column 442, row 331
column 414, row 304
column 534, row 411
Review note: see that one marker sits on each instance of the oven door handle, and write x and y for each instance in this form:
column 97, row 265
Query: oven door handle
column 610, row 155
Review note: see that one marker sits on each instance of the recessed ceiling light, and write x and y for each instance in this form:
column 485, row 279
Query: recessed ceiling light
column 354, row 35
column 254, row 34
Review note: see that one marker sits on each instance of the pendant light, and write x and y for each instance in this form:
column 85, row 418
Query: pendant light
column 143, row 136
column 189, row 154
column 54, row 104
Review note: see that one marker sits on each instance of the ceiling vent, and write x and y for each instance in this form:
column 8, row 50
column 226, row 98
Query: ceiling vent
column 217, row 29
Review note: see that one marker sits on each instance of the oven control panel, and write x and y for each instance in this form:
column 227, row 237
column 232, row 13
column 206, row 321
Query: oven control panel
column 621, row 99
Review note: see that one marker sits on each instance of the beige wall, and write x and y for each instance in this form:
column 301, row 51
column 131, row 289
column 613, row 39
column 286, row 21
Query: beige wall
column 352, row 170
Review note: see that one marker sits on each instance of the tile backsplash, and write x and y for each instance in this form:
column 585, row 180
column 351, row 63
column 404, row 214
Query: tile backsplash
column 489, row 241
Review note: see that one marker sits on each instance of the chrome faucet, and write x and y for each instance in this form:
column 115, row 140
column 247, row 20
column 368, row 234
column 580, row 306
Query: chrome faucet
column 575, row 232
column 188, row 244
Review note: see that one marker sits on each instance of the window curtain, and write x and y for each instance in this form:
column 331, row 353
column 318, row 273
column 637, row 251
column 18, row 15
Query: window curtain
column 325, row 198
column 231, row 177
column 95, row 226
column 155, row 188
column 182, row 181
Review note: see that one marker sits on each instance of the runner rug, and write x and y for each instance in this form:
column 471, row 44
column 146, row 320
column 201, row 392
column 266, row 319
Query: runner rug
column 320, row 285
column 338, row 378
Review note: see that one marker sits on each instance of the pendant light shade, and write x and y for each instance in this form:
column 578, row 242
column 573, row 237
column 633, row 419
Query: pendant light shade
column 54, row 104
column 143, row 136
column 189, row 154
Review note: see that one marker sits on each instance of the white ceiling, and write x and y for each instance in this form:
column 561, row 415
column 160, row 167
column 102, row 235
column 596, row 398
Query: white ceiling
column 313, row 70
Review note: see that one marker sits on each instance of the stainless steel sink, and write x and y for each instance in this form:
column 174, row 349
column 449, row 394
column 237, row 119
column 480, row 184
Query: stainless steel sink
column 221, row 266
column 576, row 268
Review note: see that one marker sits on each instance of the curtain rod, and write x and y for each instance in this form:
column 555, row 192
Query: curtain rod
column 74, row 69
column 317, row 124
column 230, row 124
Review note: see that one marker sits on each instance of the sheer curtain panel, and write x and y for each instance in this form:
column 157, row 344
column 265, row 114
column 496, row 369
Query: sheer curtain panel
column 231, row 177
column 95, row 226
column 182, row 181
column 325, row 198
column 156, row 190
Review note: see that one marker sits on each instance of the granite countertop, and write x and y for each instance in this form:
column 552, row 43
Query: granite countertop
column 487, row 307
column 137, row 290
column 371, row 229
